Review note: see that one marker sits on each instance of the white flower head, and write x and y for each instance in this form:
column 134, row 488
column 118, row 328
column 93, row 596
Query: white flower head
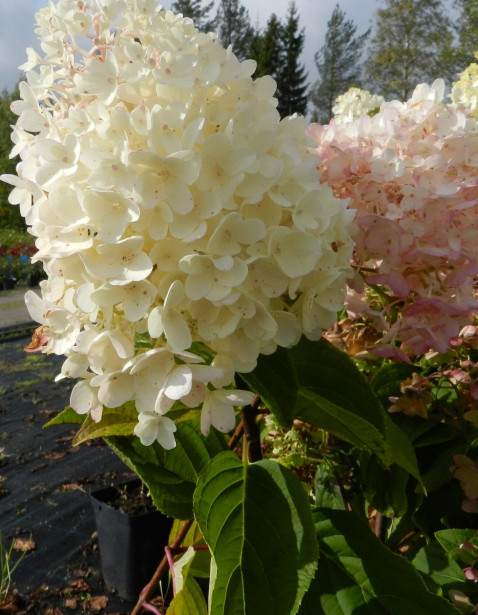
column 171, row 207
column 355, row 103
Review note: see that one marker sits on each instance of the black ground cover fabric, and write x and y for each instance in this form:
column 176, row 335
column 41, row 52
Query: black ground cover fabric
column 44, row 488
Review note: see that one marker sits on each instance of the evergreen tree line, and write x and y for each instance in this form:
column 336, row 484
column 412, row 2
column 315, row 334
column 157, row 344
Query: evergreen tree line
column 276, row 48
column 411, row 41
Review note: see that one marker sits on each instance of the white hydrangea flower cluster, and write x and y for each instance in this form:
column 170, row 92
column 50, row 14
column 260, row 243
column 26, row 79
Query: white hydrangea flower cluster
column 170, row 204
column 465, row 90
column 355, row 103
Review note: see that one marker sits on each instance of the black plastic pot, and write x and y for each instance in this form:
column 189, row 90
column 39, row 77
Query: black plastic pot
column 131, row 546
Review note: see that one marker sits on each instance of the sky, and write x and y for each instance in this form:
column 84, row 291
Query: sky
column 17, row 27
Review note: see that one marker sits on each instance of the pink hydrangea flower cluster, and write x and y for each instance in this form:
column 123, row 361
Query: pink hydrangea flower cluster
column 411, row 173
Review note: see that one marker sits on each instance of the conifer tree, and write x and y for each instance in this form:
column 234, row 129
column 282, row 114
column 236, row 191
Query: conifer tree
column 198, row 13
column 410, row 46
column 467, row 33
column 267, row 48
column 338, row 62
column 233, row 25
column 292, row 78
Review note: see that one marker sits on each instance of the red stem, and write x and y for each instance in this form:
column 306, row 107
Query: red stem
column 170, row 558
column 148, row 591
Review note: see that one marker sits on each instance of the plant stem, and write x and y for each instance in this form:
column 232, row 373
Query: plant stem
column 236, row 436
column 252, row 431
column 148, row 591
column 380, row 526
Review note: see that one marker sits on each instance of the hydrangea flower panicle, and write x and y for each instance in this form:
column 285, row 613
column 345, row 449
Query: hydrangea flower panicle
column 169, row 202
column 411, row 175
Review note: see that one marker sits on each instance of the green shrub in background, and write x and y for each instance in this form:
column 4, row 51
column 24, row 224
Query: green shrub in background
column 9, row 215
column 16, row 250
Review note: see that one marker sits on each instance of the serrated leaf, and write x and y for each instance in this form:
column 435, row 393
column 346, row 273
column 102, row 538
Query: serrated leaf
column 114, row 422
column 171, row 494
column 275, row 381
column 68, row 416
column 257, row 522
column 454, row 538
column 358, row 574
column 327, row 489
column 401, row 449
column 171, row 475
column 434, row 562
column 384, row 488
column 344, row 402
column 321, row 412
column 330, row 373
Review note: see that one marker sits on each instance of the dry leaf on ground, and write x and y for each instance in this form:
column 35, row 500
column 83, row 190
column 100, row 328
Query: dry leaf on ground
column 54, row 455
column 24, row 544
column 80, row 585
column 95, row 603
column 71, row 603
column 71, row 487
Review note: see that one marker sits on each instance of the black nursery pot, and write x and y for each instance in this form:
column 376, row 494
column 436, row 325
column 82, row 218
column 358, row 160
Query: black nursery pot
column 131, row 546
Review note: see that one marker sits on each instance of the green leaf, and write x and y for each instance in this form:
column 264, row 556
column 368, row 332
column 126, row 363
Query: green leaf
column 193, row 536
column 171, row 494
column 433, row 561
column 401, row 449
column 66, row 417
column 386, row 382
column 453, row 539
column 321, row 385
column 333, row 376
column 439, row 434
column 114, row 422
column 321, row 412
column 275, row 381
column 330, row 373
column 201, row 564
column 257, row 522
column 190, row 599
column 327, row 489
column 384, row 488
column 358, row 574
column 171, row 476
column 439, row 461
column 192, row 451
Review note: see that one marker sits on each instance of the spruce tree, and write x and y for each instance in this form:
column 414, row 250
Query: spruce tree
column 338, row 62
column 467, row 33
column 410, row 46
column 267, row 48
column 233, row 25
column 292, row 78
column 198, row 13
